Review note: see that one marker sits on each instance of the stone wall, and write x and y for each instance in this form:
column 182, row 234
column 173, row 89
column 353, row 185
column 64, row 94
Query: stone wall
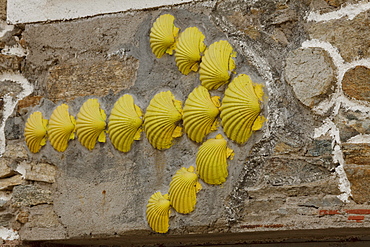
column 308, row 168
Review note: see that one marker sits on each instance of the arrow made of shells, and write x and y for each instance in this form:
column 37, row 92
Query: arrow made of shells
column 240, row 116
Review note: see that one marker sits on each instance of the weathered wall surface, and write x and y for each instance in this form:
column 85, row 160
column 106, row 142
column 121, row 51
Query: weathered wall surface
column 307, row 168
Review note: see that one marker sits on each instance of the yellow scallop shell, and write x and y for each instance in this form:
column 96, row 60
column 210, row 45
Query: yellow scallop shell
column 189, row 49
column 90, row 124
column 125, row 122
column 217, row 64
column 183, row 189
column 200, row 113
column 161, row 120
column 158, row 212
column 35, row 132
column 163, row 35
column 212, row 160
column 61, row 128
column 241, row 108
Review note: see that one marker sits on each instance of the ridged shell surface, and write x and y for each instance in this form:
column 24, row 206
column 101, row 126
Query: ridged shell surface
column 240, row 109
column 61, row 128
column 163, row 35
column 216, row 65
column 189, row 50
column 35, row 132
column 183, row 189
column 90, row 124
column 125, row 123
column 200, row 114
column 161, row 120
column 212, row 160
column 158, row 212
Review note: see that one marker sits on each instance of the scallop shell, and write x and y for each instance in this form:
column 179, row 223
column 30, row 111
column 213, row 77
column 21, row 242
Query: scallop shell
column 61, row 128
column 200, row 113
column 216, row 65
column 163, row 35
column 125, row 123
column 161, row 120
column 158, row 212
column 183, row 189
column 189, row 49
column 241, row 108
column 212, row 160
column 90, row 124
column 35, row 132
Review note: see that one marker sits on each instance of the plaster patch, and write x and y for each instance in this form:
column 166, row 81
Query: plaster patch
column 361, row 138
column 344, row 184
column 20, row 11
column 342, row 68
column 10, row 102
column 257, row 61
column 120, row 52
column 16, row 50
column 22, row 169
column 350, row 11
column 8, row 234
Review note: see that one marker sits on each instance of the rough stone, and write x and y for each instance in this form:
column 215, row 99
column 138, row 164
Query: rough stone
column 5, row 170
column 29, row 101
column 29, row 195
column 349, row 36
column 90, row 77
column 310, row 72
column 320, row 147
column 339, row 3
column 5, row 218
column 359, row 177
column 22, row 217
column 282, row 171
column 352, row 123
column 285, row 148
column 10, row 88
column 3, row 10
column 42, row 172
column 9, row 183
column 16, row 150
column 14, row 128
column 5, row 196
column 10, row 63
column 356, row 83
column 356, row 153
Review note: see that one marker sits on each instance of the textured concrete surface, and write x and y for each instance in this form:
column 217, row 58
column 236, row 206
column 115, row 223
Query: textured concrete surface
column 306, row 169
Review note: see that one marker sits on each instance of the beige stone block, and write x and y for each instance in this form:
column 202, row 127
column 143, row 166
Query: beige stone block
column 16, row 150
column 9, row 183
column 311, row 73
column 42, row 172
column 5, row 170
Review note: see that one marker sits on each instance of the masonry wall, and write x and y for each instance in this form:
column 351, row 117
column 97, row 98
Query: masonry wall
column 307, row 168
